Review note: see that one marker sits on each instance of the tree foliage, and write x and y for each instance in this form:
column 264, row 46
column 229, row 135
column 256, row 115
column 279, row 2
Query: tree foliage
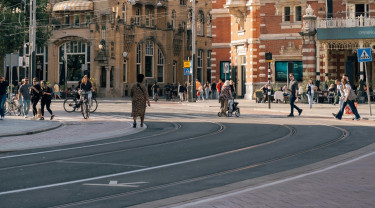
column 14, row 27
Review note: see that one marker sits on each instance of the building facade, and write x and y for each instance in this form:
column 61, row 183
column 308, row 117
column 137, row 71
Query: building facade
column 313, row 39
column 221, row 21
column 113, row 41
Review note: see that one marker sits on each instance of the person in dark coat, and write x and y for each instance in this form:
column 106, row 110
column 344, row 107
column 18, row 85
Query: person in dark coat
column 46, row 99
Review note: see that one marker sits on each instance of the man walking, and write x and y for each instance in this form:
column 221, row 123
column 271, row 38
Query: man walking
column 25, row 92
column 293, row 89
column 3, row 96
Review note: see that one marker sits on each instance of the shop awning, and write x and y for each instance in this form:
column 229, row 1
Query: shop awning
column 74, row 5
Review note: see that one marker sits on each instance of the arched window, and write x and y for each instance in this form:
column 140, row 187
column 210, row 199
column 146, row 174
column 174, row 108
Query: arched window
column 160, row 66
column 200, row 24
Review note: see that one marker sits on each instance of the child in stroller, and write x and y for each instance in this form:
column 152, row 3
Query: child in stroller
column 232, row 107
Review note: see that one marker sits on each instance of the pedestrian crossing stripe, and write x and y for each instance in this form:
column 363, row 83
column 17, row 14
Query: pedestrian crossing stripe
column 365, row 55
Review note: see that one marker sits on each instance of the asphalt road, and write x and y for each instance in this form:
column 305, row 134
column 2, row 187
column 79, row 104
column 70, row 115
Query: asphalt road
column 178, row 154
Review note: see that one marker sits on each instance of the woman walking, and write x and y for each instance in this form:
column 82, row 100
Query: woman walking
column 207, row 89
column 46, row 99
column 35, row 94
column 347, row 101
column 139, row 97
column 232, row 88
column 310, row 92
column 225, row 94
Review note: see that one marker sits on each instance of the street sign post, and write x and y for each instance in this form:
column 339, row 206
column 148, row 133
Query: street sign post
column 187, row 71
column 186, row 64
column 365, row 55
column 269, row 60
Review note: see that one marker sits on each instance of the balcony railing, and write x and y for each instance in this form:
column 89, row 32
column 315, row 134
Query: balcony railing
column 346, row 22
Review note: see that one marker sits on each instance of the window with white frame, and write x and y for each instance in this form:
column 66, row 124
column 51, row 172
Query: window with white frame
column 160, row 66
column 138, row 16
column 298, row 14
column 200, row 65
column 76, row 20
column 286, row 14
column 149, row 59
column 139, row 59
column 124, row 12
column 200, row 24
column 209, row 25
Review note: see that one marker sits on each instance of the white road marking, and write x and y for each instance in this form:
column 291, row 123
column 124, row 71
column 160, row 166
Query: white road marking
column 274, row 183
column 116, row 184
column 119, row 174
column 96, row 163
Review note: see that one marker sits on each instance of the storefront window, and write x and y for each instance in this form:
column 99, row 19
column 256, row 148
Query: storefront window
column 283, row 68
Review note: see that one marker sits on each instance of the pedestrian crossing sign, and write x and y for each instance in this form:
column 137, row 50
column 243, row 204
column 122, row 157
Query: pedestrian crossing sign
column 187, row 71
column 364, row 54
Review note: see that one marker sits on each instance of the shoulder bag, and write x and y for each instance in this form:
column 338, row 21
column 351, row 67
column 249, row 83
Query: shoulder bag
column 352, row 95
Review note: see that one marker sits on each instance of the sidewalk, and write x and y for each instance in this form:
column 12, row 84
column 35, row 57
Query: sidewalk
column 18, row 133
column 16, row 126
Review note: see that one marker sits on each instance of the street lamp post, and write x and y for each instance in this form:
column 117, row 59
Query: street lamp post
column 193, row 31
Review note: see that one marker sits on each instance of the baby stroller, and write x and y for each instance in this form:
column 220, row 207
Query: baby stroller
column 232, row 107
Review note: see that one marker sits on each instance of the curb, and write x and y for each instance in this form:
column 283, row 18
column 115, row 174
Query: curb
column 33, row 132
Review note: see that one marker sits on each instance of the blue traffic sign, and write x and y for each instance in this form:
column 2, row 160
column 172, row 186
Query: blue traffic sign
column 364, row 54
column 187, row 71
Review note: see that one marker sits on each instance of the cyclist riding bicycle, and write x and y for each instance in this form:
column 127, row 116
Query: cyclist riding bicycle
column 86, row 86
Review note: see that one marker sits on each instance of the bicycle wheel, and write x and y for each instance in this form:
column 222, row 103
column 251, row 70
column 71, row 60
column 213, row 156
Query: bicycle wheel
column 7, row 108
column 94, row 105
column 84, row 110
column 70, row 105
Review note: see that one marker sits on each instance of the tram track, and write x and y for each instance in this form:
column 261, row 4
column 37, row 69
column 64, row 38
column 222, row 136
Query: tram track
column 344, row 135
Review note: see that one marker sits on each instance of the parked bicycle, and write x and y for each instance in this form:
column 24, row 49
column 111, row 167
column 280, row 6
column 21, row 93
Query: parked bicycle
column 73, row 103
column 12, row 106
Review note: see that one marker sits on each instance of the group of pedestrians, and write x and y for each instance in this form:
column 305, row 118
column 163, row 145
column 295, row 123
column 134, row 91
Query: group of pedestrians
column 28, row 95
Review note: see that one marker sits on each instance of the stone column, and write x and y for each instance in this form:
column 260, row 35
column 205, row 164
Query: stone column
column 317, row 67
column 108, row 80
column 326, row 64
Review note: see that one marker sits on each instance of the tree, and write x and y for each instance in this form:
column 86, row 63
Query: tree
column 14, row 27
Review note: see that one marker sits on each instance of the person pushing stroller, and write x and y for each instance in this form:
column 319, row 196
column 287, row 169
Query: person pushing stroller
column 225, row 94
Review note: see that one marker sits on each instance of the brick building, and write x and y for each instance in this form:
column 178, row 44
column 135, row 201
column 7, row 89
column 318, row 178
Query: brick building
column 314, row 39
column 220, row 40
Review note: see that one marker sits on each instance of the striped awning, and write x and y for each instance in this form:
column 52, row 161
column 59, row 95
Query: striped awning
column 74, row 5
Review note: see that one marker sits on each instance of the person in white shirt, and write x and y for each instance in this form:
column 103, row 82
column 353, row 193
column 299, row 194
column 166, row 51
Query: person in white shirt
column 347, row 101
column 310, row 92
